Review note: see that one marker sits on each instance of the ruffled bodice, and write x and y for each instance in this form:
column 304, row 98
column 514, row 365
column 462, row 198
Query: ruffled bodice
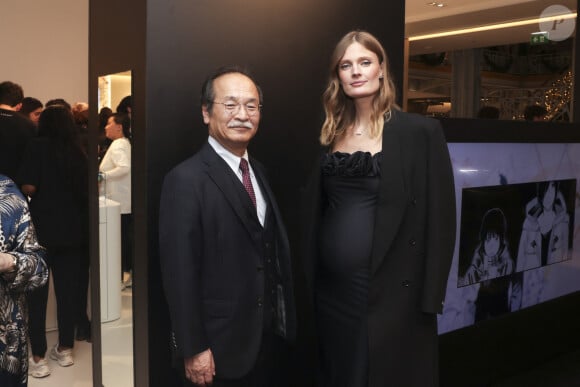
column 351, row 164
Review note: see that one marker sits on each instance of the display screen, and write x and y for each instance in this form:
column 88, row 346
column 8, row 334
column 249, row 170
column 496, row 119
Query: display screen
column 517, row 229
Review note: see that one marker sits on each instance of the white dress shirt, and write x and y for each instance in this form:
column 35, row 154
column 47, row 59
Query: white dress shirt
column 234, row 162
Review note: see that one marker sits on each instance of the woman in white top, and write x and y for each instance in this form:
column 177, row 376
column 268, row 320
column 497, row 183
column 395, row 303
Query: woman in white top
column 115, row 173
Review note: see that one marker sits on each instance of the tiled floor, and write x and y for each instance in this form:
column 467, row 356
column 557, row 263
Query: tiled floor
column 117, row 347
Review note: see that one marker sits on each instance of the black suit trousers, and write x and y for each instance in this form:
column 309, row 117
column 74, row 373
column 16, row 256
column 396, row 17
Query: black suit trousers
column 65, row 264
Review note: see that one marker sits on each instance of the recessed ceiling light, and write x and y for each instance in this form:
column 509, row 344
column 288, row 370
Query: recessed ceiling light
column 494, row 26
column 436, row 4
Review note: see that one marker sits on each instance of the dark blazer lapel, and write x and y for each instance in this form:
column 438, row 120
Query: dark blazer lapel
column 222, row 175
column 391, row 200
column 272, row 205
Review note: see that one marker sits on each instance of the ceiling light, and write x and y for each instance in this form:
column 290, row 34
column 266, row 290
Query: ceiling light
column 493, row 27
column 436, row 4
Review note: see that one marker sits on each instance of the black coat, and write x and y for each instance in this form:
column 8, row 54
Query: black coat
column 15, row 133
column 211, row 252
column 59, row 207
column 413, row 244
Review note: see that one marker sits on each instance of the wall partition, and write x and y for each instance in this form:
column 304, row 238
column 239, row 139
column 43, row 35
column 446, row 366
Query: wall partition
column 117, row 46
column 286, row 45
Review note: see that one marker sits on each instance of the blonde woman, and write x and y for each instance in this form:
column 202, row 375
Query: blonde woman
column 381, row 237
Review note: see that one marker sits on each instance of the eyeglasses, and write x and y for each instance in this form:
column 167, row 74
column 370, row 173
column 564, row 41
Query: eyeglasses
column 234, row 107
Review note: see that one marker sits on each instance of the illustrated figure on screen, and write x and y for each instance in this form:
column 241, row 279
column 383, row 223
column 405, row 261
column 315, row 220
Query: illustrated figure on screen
column 491, row 258
column 544, row 238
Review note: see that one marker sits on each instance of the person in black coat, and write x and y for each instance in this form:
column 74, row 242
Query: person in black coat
column 31, row 109
column 15, row 130
column 380, row 229
column 225, row 257
column 54, row 174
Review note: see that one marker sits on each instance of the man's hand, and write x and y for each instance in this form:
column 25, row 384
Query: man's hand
column 200, row 369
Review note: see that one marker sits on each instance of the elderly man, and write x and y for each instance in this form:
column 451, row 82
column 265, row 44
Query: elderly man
column 224, row 251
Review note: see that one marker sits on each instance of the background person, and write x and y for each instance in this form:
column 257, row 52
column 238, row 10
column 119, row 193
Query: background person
column 381, row 229
column 104, row 142
column 124, row 106
column 225, row 257
column 22, row 269
column 58, row 101
column 54, row 174
column 115, row 172
column 488, row 112
column 535, row 113
column 15, row 130
column 80, row 111
column 31, row 109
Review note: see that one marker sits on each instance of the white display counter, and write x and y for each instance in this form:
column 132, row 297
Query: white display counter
column 110, row 258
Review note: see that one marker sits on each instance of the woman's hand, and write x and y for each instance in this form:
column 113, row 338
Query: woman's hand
column 7, row 263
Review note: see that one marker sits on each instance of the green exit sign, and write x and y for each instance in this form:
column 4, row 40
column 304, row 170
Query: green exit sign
column 539, row 37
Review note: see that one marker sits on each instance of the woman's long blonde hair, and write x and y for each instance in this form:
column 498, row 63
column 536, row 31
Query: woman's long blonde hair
column 339, row 108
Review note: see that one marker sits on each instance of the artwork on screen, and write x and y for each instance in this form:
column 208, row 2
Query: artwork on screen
column 518, row 233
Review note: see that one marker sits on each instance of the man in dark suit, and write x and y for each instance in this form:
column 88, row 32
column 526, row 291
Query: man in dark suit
column 225, row 257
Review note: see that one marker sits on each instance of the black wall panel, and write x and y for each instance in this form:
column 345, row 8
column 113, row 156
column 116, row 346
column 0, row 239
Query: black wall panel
column 286, row 45
column 117, row 31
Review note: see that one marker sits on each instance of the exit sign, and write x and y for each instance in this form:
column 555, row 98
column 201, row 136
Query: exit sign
column 539, row 37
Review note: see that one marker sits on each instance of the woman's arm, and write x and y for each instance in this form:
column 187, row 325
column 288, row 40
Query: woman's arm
column 8, row 263
column 27, row 269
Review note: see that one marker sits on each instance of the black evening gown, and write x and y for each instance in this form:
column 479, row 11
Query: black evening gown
column 350, row 185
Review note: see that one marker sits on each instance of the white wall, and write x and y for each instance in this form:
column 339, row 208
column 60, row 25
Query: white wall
column 113, row 88
column 45, row 47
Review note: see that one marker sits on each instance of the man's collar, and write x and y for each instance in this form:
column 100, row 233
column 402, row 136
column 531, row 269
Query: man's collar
column 231, row 159
column 220, row 149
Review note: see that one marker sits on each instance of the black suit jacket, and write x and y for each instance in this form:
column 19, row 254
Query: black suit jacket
column 211, row 260
column 413, row 244
column 15, row 133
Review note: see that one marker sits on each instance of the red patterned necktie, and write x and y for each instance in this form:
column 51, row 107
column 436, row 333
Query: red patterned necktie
column 247, row 181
